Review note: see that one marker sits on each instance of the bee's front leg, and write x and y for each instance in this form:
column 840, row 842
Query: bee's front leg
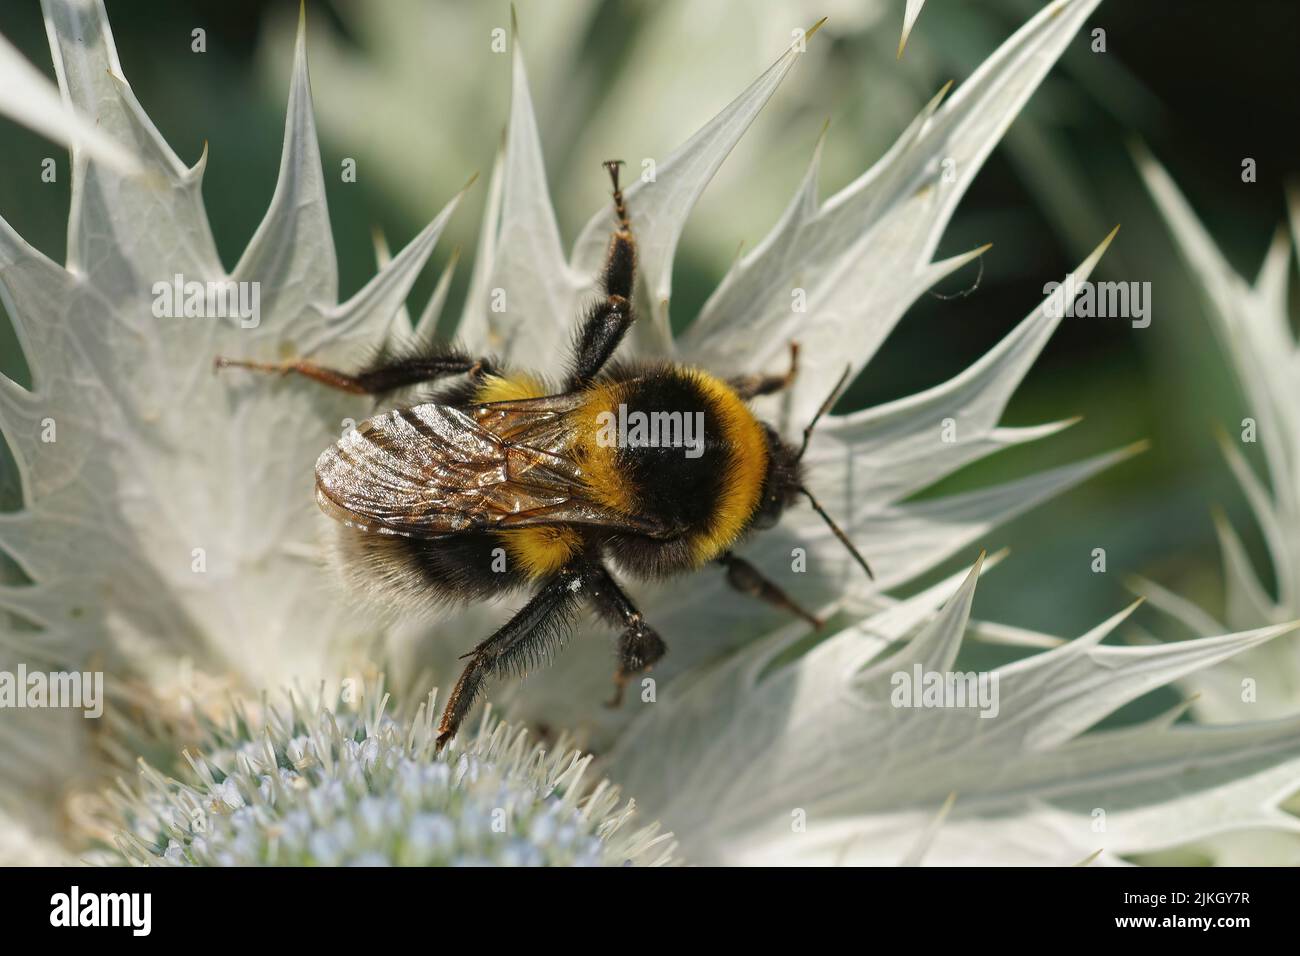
column 752, row 386
column 747, row 579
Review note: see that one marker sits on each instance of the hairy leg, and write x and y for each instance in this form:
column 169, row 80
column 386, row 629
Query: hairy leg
column 747, row 579
column 385, row 375
column 607, row 322
column 534, row 630
column 639, row 646
column 752, row 386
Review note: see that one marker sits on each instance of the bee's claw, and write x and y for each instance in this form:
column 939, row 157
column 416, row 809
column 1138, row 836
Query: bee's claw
column 620, row 682
column 791, row 375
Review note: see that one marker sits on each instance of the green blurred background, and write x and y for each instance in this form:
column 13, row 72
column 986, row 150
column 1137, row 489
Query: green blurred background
column 413, row 92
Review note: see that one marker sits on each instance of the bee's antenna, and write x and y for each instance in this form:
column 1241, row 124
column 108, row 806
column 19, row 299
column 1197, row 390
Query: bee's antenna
column 825, row 407
column 620, row 208
column 844, row 539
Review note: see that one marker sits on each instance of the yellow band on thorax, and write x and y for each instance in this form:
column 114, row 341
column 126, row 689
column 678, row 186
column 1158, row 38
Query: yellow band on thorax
column 743, row 483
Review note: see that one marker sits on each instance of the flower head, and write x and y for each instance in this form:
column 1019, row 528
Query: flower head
column 349, row 784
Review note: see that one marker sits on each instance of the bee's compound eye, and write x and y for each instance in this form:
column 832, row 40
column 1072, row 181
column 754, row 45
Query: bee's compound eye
column 769, row 513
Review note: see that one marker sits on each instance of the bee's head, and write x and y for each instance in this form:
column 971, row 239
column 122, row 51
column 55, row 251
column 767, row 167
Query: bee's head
column 783, row 482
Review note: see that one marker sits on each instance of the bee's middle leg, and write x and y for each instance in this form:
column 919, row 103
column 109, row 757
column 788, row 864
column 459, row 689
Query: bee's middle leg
column 639, row 646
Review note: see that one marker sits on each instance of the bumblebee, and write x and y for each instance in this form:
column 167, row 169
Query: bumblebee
column 654, row 468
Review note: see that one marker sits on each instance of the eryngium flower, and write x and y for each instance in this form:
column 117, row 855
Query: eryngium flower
column 167, row 528
column 349, row 784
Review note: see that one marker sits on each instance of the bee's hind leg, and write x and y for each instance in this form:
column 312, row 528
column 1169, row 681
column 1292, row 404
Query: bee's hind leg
column 747, row 579
column 752, row 386
column 608, row 321
column 535, row 629
column 639, row 646
column 384, row 375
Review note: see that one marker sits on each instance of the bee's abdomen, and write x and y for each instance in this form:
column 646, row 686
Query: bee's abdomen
column 421, row 571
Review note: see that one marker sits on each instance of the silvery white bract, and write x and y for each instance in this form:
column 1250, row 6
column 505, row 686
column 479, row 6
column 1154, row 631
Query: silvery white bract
column 1253, row 329
column 29, row 98
column 910, row 13
column 168, row 524
column 814, row 760
column 402, row 89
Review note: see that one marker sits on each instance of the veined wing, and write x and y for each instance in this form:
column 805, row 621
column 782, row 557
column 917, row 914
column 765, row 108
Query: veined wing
column 434, row 470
